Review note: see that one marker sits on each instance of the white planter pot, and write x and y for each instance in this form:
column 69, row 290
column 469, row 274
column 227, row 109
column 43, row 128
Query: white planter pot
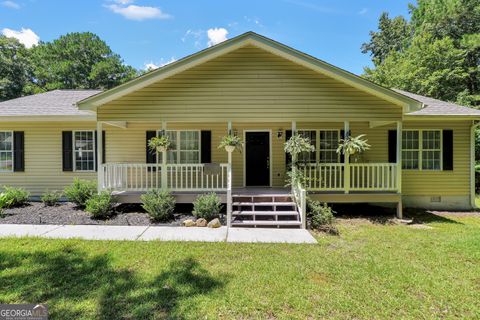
column 229, row 148
column 161, row 149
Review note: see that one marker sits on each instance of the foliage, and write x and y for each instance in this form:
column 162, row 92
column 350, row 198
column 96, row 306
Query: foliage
column 51, row 198
column 298, row 144
column 156, row 144
column 78, row 60
column 353, row 145
column 207, row 206
column 296, row 178
column 159, row 204
column 231, row 140
column 320, row 214
column 80, row 191
column 15, row 68
column 439, row 56
column 100, row 205
column 13, row 197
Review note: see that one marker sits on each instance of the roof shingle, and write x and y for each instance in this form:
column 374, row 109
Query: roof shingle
column 52, row 103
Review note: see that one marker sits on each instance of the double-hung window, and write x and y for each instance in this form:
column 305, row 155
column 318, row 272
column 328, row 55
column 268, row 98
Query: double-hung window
column 84, row 150
column 326, row 144
column 185, row 147
column 421, row 149
column 6, row 151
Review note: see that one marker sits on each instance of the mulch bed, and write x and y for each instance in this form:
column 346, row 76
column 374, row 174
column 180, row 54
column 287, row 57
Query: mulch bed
column 66, row 213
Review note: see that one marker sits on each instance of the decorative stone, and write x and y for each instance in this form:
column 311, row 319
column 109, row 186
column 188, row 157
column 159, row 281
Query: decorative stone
column 201, row 222
column 215, row 223
column 189, row 223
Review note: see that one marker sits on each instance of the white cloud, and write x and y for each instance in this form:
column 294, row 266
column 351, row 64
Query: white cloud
column 216, row 35
column 152, row 66
column 139, row 13
column 363, row 11
column 123, row 2
column 11, row 4
column 25, row 36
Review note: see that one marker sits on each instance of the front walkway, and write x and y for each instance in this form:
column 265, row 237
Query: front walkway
column 147, row 233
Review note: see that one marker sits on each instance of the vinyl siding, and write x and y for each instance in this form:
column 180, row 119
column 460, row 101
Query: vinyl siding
column 248, row 85
column 43, row 156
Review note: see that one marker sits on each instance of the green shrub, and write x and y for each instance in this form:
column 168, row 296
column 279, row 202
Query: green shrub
column 100, row 205
column 13, row 197
column 158, row 204
column 320, row 214
column 51, row 198
column 80, row 191
column 207, row 206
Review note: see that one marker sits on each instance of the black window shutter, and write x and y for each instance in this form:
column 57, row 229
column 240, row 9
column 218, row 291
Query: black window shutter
column 18, row 151
column 342, row 136
column 103, row 146
column 447, row 149
column 288, row 158
column 206, row 142
column 392, row 146
column 96, row 151
column 151, row 157
column 67, row 150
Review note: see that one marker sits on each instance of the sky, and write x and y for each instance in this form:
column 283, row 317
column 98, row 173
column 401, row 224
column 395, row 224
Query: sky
column 149, row 34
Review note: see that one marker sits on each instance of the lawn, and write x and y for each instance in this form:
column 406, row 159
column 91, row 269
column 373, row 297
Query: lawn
column 371, row 270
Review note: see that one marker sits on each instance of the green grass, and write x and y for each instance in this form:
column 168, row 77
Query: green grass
column 370, row 271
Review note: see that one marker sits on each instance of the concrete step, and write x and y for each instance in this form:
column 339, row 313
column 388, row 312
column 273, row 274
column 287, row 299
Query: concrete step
column 265, row 223
column 264, row 213
column 263, row 204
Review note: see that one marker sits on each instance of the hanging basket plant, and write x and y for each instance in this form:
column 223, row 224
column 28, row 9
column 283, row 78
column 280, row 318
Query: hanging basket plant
column 295, row 146
column 353, row 146
column 231, row 143
column 159, row 144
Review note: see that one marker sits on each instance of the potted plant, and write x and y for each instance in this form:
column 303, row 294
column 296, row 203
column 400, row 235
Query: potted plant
column 353, row 146
column 231, row 143
column 294, row 146
column 159, row 144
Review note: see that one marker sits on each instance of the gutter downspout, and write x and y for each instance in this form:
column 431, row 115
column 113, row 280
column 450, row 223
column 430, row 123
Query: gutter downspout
column 472, row 163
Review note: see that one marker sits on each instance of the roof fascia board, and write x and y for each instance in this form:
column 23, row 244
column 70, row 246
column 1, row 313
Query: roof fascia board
column 440, row 117
column 48, row 118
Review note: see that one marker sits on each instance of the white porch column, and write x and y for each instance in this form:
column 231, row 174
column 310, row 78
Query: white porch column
column 346, row 160
column 100, row 170
column 163, row 171
column 399, row 168
column 229, row 180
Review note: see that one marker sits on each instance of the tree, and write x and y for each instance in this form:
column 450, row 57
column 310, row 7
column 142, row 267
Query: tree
column 440, row 56
column 15, row 68
column 78, row 61
column 392, row 36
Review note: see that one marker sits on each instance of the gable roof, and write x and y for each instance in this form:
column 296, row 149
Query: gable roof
column 250, row 38
column 435, row 107
column 56, row 103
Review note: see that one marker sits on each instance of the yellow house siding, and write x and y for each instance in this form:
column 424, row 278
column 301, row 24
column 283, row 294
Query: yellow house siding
column 43, row 156
column 251, row 85
column 442, row 183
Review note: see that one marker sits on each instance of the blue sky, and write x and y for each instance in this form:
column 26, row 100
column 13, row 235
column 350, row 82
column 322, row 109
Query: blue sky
column 156, row 32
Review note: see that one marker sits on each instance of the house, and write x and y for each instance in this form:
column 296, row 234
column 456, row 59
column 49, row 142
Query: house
column 422, row 149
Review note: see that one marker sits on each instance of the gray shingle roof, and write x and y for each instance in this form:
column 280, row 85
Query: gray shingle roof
column 435, row 107
column 52, row 103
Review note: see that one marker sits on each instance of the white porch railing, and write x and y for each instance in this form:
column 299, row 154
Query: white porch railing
column 179, row 177
column 300, row 197
column 363, row 177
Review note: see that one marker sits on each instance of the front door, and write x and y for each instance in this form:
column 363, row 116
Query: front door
column 257, row 159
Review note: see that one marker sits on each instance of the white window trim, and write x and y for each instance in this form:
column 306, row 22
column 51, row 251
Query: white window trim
column 74, row 152
column 317, row 143
column 11, row 151
column 177, row 150
column 420, row 149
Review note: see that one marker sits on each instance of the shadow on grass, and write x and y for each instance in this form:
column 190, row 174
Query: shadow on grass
column 421, row 216
column 68, row 279
column 374, row 214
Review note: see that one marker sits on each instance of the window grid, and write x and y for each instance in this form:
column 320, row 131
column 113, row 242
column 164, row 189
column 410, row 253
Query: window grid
column 308, row 157
column 6, row 151
column 326, row 144
column 185, row 147
column 422, row 149
column 84, row 150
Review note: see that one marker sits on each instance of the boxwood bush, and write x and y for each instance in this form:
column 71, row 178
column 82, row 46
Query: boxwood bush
column 13, row 197
column 100, row 206
column 159, row 204
column 51, row 198
column 207, row 206
column 80, row 191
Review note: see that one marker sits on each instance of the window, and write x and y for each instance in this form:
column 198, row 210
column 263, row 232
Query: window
column 421, row 149
column 6, row 151
column 185, row 146
column 84, row 150
column 328, row 146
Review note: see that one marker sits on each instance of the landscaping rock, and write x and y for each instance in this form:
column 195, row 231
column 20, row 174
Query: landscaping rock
column 189, row 223
column 215, row 223
column 201, row 222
